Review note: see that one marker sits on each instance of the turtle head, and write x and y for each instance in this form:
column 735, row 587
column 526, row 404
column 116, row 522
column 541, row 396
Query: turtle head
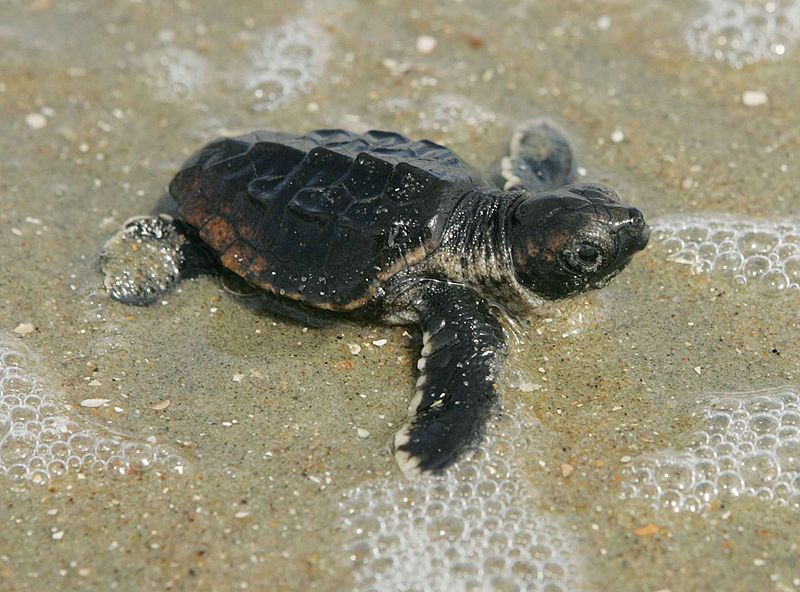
column 574, row 239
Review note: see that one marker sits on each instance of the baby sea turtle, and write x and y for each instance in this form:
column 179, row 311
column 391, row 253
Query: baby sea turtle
column 379, row 227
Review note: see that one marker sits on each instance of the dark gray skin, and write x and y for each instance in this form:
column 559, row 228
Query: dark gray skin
column 377, row 227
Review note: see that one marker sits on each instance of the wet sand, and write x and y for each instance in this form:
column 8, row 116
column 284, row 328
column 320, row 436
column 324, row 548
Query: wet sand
column 101, row 102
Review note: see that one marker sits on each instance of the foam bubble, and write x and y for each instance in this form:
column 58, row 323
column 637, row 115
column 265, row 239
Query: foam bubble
column 749, row 251
column 175, row 73
column 450, row 112
column 742, row 32
column 474, row 528
column 749, row 445
column 288, row 63
column 40, row 441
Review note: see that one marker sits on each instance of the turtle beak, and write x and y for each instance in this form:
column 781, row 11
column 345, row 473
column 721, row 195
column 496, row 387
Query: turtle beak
column 634, row 235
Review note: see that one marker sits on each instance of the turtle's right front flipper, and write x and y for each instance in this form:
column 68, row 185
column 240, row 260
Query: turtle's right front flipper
column 456, row 392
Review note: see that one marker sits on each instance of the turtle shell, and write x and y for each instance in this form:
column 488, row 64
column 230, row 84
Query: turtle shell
column 323, row 218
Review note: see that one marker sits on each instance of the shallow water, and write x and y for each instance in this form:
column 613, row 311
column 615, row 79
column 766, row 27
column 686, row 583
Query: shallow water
column 223, row 448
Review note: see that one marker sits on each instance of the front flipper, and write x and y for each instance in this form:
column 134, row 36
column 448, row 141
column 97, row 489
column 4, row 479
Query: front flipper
column 463, row 347
column 539, row 159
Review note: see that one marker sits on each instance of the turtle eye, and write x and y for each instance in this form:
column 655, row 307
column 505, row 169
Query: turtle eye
column 588, row 254
column 584, row 257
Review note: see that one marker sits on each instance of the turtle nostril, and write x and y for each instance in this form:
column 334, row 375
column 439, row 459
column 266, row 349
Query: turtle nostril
column 637, row 219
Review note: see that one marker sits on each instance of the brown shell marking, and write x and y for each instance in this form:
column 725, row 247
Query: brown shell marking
column 240, row 257
column 186, row 190
column 219, row 234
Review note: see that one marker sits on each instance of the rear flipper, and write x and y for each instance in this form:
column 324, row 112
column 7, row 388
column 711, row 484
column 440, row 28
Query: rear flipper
column 539, row 159
column 147, row 257
column 456, row 392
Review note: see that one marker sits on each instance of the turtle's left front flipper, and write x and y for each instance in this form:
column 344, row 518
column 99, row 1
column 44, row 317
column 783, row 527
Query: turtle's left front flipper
column 463, row 347
column 539, row 159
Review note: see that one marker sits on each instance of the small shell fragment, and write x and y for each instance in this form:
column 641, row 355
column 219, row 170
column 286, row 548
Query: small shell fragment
column 161, row 405
column 94, row 402
column 426, row 44
column 754, row 98
column 24, row 329
column 35, row 120
column 354, row 348
column 646, row 530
